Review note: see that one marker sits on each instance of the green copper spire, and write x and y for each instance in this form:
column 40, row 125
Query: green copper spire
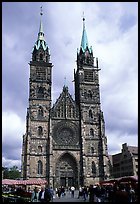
column 40, row 40
column 84, row 41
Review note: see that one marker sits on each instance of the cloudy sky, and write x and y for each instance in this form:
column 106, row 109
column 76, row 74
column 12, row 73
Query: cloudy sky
column 112, row 30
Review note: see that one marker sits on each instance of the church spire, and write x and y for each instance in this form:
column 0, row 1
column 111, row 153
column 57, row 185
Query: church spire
column 40, row 40
column 40, row 50
column 85, row 54
column 84, row 41
column 41, row 33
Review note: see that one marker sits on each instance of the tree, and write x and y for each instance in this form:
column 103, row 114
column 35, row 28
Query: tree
column 12, row 173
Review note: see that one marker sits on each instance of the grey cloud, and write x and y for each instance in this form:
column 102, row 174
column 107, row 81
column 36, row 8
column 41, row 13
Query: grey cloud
column 121, row 125
column 12, row 149
column 12, row 153
column 113, row 149
column 126, row 22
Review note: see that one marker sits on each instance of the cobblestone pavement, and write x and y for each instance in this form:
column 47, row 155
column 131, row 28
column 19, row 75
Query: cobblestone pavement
column 68, row 198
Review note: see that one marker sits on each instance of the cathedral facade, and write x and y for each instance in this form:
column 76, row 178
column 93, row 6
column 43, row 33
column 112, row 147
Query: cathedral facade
column 65, row 143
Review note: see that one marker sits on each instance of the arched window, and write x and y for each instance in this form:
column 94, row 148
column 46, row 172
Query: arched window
column 40, row 167
column 73, row 112
column 55, row 113
column 40, row 130
column 62, row 111
column 90, row 114
column 91, row 132
column 40, row 93
column 93, row 167
column 41, row 56
column 69, row 111
column 40, row 111
column 40, row 149
column 92, row 150
column 34, row 57
column 58, row 112
column 89, row 94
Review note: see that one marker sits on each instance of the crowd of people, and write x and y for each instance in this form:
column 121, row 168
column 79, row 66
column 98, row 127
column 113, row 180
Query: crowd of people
column 93, row 193
column 103, row 193
column 99, row 193
column 109, row 193
column 48, row 194
column 44, row 195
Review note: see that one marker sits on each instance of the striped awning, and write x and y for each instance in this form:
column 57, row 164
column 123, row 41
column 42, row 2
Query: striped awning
column 34, row 181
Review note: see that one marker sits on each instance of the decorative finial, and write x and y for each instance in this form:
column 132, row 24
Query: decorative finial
column 41, row 33
column 65, row 81
column 83, row 16
column 41, row 11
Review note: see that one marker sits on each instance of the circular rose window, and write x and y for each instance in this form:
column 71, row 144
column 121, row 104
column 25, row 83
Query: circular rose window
column 65, row 136
column 65, row 133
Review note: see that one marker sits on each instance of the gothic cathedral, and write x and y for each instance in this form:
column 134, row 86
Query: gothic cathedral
column 66, row 143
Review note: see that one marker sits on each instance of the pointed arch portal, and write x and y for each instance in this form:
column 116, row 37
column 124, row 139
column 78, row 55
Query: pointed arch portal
column 66, row 171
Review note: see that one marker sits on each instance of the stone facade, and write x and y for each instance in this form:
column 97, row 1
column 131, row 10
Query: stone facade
column 66, row 143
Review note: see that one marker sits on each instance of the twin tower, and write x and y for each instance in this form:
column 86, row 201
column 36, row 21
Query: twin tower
column 66, row 143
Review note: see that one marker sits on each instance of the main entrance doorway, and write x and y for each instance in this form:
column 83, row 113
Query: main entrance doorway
column 67, row 171
column 64, row 181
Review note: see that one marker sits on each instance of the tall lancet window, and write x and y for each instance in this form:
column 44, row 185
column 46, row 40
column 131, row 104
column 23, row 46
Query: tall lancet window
column 89, row 94
column 58, row 112
column 91, row 132
column 90, row 114
column 40, row 93
column 40, row 167
column 40, row 112
column 93, row 167
column 40, row 130
column 40, row 149
column 92, row 150
column 41, row 56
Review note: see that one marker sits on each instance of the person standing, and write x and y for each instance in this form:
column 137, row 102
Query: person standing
column 72, row 191
column 59, row 192
column 35, row 195
column 47, row 195
column 80, row 194
column 85, row 193
column 91, row 192
column 52, row 193
column 41, row 194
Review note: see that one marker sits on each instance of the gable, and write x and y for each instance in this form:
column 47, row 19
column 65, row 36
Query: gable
column 65, row 106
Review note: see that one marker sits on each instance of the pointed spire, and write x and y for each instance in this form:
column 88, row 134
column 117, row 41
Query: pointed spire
column 41, row 33
column 65, row 81
column 41, row 26
column 65, row 87
column 85, row 54
column 84, row 41
column 40, row 40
